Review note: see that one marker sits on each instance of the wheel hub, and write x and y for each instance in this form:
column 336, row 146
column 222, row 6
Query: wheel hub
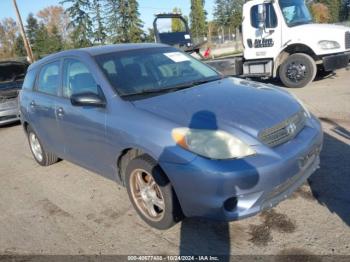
column 296, row 72
column 36, row 147
column 147, row 195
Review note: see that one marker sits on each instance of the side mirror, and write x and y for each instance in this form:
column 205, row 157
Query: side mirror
column 87, row 99
column 261, row 15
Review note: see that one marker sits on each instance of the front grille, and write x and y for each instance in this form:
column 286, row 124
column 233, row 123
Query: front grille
column 284, row 131
column 347, row 40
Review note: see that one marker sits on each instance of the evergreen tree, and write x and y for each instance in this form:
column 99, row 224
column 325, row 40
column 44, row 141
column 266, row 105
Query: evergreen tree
column 42, row 41
column 345, row 10
column 124, row 24
column 123, row 21
column 81, row 23
column 55, row 42
column 19, row 47
column 112, row 19
column 198, row 19
column 32, row 30
column 176, row 24
column 150, row 37
column 99, row 28
column 135, row 23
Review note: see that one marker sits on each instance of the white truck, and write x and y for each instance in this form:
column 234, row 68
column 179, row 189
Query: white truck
column 279, row 38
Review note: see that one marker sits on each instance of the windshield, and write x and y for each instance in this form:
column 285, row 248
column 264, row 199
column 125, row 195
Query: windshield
column 153, row 70
column 295, row 12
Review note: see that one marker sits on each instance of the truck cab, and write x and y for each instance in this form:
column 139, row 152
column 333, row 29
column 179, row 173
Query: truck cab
column 280, row 39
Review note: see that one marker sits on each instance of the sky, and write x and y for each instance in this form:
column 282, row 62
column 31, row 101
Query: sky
column 147, row 8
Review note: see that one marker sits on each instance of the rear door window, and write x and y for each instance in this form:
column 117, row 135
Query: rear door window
column 48, row 82
column 77, row 78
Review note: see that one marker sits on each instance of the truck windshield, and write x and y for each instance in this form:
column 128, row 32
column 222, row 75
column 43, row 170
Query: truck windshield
column 295, row 12
column 153, row 71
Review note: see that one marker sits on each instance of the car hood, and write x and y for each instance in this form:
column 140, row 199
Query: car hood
column 224, row 104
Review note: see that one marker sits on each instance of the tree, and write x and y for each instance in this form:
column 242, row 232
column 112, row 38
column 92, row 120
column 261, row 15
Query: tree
column 42, row 41
column 320, row 13
column 334, row 7
column 54, row 16
column 135, row 23
column 80, row 24
column 19, row 47
column 177, row 24
column 8, row 36
column 198, row 19
column 123, row 22
column 228, row 13
column 55, row 42
column 31, row 30
column 345, row 10
column 112, row 19
column 150, row 37
column 99, row 28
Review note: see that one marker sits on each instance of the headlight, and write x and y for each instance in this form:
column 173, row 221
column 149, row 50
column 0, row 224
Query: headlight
column 214, row 144
column 326, row 44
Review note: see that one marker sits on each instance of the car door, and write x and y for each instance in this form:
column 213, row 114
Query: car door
column 42, row 106
column 83, row 127
column 261, row 42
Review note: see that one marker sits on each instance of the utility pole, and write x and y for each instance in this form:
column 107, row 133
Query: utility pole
column 23, row 33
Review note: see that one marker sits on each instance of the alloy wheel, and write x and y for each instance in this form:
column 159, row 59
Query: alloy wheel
column 35, row 146
column 147, row 195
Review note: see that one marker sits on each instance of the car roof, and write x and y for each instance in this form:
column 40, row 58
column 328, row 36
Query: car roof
column 97, row 50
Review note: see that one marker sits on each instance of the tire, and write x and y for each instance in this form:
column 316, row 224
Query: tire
column 35, row 145
column 159, row 191
column 298, row 70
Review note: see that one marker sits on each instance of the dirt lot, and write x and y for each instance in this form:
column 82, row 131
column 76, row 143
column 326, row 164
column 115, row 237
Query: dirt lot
column 64, row 209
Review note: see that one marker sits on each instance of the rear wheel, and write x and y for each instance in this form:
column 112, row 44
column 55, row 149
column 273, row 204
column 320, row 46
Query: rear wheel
column 298, row 70
column 41, row 156
column 151, row 193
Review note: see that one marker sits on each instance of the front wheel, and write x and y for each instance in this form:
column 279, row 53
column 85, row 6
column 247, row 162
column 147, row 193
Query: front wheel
column 298, row 70
column 151, row 193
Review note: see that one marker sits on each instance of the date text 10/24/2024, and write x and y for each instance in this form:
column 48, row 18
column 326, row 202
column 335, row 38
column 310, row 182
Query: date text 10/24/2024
column 173, row 258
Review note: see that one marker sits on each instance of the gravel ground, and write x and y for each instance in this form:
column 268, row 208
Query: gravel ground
column 64, row 209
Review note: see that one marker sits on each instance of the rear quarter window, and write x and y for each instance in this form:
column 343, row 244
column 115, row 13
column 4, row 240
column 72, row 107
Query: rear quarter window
column 29, row 80
column 48, row 80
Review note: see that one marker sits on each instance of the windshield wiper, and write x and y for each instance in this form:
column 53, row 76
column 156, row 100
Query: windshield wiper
column 172, row 88
column 159, row 90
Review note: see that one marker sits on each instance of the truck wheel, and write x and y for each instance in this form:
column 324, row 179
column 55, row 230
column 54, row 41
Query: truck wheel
column 298, row 70
column 151, row 193
column 40, row 155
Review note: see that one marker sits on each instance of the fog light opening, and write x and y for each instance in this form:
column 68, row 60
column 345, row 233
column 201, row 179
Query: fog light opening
column 230, row 204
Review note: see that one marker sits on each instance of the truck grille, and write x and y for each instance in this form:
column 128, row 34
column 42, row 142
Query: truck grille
column 284, row 131
column 347, row 40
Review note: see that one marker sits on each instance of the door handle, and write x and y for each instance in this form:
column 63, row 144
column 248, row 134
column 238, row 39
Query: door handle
column 60, row 112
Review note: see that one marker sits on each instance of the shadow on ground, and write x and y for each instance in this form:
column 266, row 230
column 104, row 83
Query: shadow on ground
column 204, row 237
column 331, row 183
column 17, row 123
